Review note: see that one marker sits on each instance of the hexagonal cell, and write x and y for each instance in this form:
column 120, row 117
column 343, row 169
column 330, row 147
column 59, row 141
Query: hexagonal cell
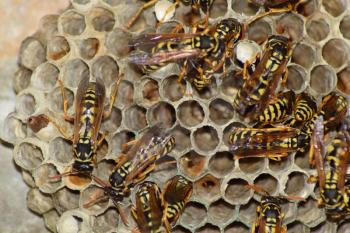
column 88, row 48
column 335, row 52
column 26, row 104
column 163, row 113
column 308, row 8
column 237, row 227
column 259, row 31
column 60, row 150
column 182, row 138
column 220, row 111
column 45, row 76
column 304, row 55
column 228, row 130
column 297, row 78
column 74, row 221
column 206, row 138
column 102, row 150
column 208, row 92
column 21, row 79
column 244, row 51
column 48, row 27
column 73, row 71
column 50, row 219
column 220, row 212
column 65, row 199
column 297, row 227
column 106, row 221
column 291, row 24
column 251, row 165
column 207, row 188
column 102, row 20
column 119, row 139
column 343, row 83
column 236, row 191
column 75, row 182
column 192, row 164
column 172, row 90
column 72, row 23
column 106, row 68
column 221, row 163
column 247, row 213
column 302, row 160
column 39, row 202
column 135, row 117
column 13, row 129
column 42, row 176
column 321, row 228
column 150, row 91
column 267, row 182
column 344, row 227
column 344, row 27
column 112, row 123
column 317, row 28
column 230, row 84
column 57, row 48
column 125, row 94
column 193, row 215
column 55, row 99
column 31, row 53
column 104, row 169
column 282, row 165
column 323, row 79
column 296, row 184
column 180, row 229
column 116, row 42
column 93, row 199
column 336, row 7
column 208, row 228
column 219, row 8
column 28, row 155
column 190, row 113
column 244, row 7
column 309, row 213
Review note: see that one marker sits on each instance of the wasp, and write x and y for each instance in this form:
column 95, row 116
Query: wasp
column 203, row 5
column 177, row 193
column 331, row 164
column 273, row 143
column 259, row 86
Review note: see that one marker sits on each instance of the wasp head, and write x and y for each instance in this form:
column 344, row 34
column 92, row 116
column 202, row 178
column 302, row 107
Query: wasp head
column 229, row 29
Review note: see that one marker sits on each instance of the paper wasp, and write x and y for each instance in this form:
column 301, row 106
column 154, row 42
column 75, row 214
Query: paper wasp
column 259, row 86
column 203, row 5
column 331, row 165
column 269, row 212
column 273, row 143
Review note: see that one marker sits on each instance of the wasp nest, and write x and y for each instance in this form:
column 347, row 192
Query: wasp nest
column 87, row 40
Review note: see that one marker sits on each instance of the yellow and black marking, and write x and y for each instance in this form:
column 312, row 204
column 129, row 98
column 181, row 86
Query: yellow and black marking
column 305, row 108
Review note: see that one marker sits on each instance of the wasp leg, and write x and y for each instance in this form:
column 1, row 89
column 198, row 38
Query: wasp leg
column 122, row 214
column 168, row 10
column 102, row 137
column 113, row 97
column 60, row 129
column 126, row 145
column 284, row 78
column 96, row 199
column 269, row 12
column 138, row 13
column 67, row 117
column 180, row 78
column 166, row 223
column 312, row 179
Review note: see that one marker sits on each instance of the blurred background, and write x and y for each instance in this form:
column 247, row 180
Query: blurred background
column 19, row 19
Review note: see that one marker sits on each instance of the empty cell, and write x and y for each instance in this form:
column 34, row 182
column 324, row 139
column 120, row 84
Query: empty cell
column 163, row 113
column 296, row 184
column 247, row 212
column 335, row 7
column 117, row 42
column 104, row 169
column 309, row 213
column 45, row 77
column 182, row 138
column 180, row 229
column 102, row 150
column 231, row 83
column 31, row 53
column 88, row 48
column 251, row 165
column 343, row 83
column 13, row 129
column 345, row 27
column 48, row 26
column 302, row 160
column 193, row 215
column 61, row 150
column 317, row 28
column 244, row 7
column 106, row 221
column 335, row 52
column 39, row 202
column 105, row 68
column 74, row 221
column 221, row 163
column 237, row 227
column 220, row 111
column 21, row 79
column 190, row 113
column 282, row 165
column 172, row 90
column 125, row 94
column 220, row 212
column 55, row 99
column 26, row 104
column 206, row 138
column 297, row 227
column 119, row 139
column 57, row 48
column 42, row 178
column 28, row 156
column 323, row 79
column 90, row 195
column 259, row 31
column 218, row 9
column 297, row 78
column 102, row 20
column 228, row 130
column 73, row 71
column 76, row 182
column 135, row 117
column 291, row 24
column 50, row 219
column 66, row 199
column 208, row 228
column 192, row 164
column 207, row 188
column 112, row 123
column 308, row 8
column 304, row 55
column 150, row 91
column 236, row 191
column 267, row 182
column 72, row 23
column 321, row 228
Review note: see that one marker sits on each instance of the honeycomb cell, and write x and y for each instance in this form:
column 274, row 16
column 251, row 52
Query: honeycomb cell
column 190, row 113
column 291, row 24
column 251, row 165
column 344, row 227
column 104, row 169
column 45, row 77
column 208, row 228
column 150, row 91
column 220, row 111
column 302, row 160
column 244, row 51
column 75, row 182
column 74, row 221
column 236, row 191
column 308, row 8
column 297, row 78
column 218, row 9
column 335, row 7
column 335, row 52
column 106, row 221
column 112, row 2
column 13, row 129
column 42, row 178
column 163, row 113
column 206, row 138
column 221, row 163
column 180, row 229
column 259, row 31
column 102, row 20
column 244, row 7
column 39, row 202
column 88, row 48
column 26, row 104
column 125, row 94
column 317, row 29
column 92, row 199
column 236, row 227
column 57, row 48
column 182, row 138
column 207, row 188
column 228, row 130
column 55, row 99
column 343, row 83
column 48, row 27
column 120, row 138
column 282, row 165
column 117, row 42
column 220, row 212
column 28, row 155
column 247, row 212
column 72, row 23
column 21, row 79
column 50, row 220
column 296, row 184
column 304, row 55
column 344, row 27
column 192, row 164
column 309, row 213
column 172, row 90
column 65, row 199
column 135, row 117
column 267, row 182
column 323, row 79
column 193, row 215
column 231, row 84
column 113, row 122
column 81, row 2
column 297, row 227
column 321, row 228
column 73, row 71
column 106, row 68
column 102, row 150
column 31, row 53
column 60, row 150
